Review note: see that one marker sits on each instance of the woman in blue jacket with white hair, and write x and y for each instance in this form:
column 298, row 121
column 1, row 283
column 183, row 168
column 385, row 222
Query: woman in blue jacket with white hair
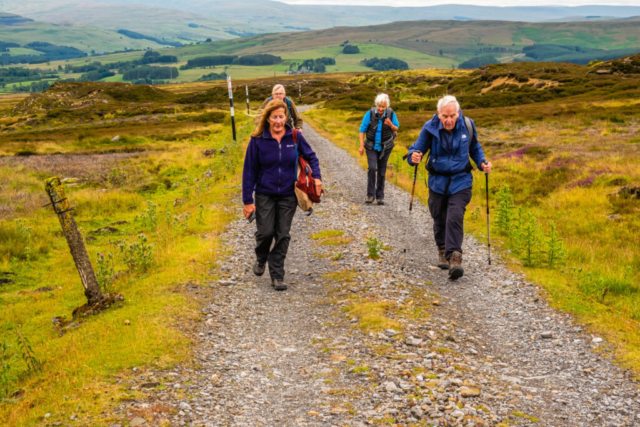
column 270, row 171
column 377, row 134
column 449, row 138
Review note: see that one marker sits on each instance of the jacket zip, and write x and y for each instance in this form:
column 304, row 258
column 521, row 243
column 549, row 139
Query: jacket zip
column 279, row 166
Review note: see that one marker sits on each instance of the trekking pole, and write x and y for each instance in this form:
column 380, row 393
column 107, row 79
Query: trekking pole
column 415, row 176
column 486, row 175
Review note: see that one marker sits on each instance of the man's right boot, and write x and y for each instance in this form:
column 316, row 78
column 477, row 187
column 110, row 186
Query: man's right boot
column 455, row 266
column 442, row 260
column 279, row 285
column 258, row 269
column 369, row 200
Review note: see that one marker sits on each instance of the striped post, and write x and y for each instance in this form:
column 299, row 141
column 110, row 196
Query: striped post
column 247, row 87
column 233, row 116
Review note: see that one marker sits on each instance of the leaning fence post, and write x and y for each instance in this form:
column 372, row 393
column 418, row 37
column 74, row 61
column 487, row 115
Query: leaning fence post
column 60, row 204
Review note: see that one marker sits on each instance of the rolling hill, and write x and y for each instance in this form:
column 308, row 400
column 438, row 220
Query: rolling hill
column 221, row 19
column 87, row 38
column 155, row 22
column 421, row 44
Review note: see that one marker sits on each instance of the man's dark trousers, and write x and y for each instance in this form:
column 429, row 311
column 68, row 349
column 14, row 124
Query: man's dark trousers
column 447, row 212
column 273, row 218
column 377, row 161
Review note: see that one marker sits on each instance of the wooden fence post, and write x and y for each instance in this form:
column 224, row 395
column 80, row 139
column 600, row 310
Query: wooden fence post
column 60, row 204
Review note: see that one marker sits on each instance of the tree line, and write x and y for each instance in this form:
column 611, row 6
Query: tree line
column 385, row 64
column 250, row 60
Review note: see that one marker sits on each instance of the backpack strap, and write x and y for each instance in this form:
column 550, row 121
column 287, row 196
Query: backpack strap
column 470, row 129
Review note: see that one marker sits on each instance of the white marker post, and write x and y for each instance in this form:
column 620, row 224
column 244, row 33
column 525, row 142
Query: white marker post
column 247, row 87
column 233, row 116
column 299, row 93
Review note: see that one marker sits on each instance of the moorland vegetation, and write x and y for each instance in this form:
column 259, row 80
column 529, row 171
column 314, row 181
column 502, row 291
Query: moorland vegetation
column 564, row 140
column 149, row 200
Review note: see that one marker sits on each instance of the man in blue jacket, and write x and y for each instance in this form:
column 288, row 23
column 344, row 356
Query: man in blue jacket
column 449, row 138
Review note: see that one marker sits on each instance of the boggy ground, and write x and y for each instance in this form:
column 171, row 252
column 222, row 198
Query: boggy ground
column 356, row 341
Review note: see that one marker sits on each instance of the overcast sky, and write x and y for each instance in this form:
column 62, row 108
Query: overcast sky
column 476, row 2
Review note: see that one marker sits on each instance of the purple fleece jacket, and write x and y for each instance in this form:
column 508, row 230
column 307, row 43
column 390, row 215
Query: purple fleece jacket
column 270, row 167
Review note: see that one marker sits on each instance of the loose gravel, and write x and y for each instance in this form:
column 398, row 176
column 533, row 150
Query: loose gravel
column 481, row 351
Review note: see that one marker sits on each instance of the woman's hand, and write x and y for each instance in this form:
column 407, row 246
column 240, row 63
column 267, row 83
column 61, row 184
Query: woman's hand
column 361, row 150
column 318, row 185
column 389, row 123
column 247, row 209
column 486, row 167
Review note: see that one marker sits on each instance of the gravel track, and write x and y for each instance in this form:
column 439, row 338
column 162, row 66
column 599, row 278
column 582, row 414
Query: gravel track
column 484, row 350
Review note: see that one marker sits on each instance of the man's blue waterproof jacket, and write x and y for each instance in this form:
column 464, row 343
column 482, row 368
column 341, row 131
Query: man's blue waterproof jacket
column 449, row 153
column 270, row 167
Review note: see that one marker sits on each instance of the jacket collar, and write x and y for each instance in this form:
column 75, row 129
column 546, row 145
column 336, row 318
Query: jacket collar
column 288, row 130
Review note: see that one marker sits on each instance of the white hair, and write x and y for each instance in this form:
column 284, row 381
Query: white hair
column 446, row 100
column 383, row 98
column 276, row 87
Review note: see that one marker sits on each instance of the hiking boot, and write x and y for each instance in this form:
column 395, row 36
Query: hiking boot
column 455, row 267
column 381, row 201
column 258, row 269
column 370, row 200
column 442, row 260
column 278, row 285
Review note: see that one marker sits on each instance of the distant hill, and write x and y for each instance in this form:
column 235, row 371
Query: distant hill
column 223, row 19
column 156, row 22
column 419, row 44
column 457, row 40
column 9, row 19
column 87, row 38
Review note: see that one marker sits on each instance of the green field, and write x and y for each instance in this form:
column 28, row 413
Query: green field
column 13, row 51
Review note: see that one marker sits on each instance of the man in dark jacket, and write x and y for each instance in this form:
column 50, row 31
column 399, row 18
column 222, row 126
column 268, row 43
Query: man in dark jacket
column 449, row 138
column 294, row 120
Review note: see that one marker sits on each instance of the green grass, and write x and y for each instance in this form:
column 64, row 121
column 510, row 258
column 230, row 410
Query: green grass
column 23, row 51
column 83, row 366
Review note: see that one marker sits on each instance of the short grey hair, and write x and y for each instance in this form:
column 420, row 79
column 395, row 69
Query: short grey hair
column 383, row 98
column 276, row 87
column 446, row 100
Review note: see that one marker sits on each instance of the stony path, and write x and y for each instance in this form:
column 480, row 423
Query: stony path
column 359, row 342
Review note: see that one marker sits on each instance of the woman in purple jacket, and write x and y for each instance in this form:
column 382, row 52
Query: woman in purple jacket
column 270, row 172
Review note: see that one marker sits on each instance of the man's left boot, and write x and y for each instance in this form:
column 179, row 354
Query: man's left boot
column 455, row 266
